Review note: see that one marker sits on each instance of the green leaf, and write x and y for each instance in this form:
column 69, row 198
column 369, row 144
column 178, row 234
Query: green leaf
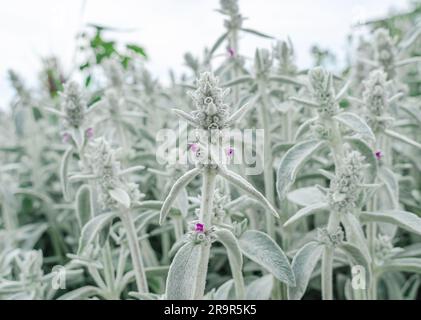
column 235, row 259
column 183, row 202
column 306, row 196
column 256, row 33
column 305, row 212
column 182, row 276
column 260, row 248
column 225, row 291
column 291, row 163
column 247, row 187
column 121, row 196
column 84, row 205
column 403, row 219
column 303, row 264
column 357, row 258
column 237, row 81
column 137, row 49
column 355, row 233
column 179, row 185
column 92, row 229
column 303, row 128
column 288, row 80
column 238, row 115
column 144, row 296
column 260, row 289
column 36, row 113
column 186, row 116
column 403, row 138
column 412, row 112
column 93, row 100
column 81, row 293
column 402, row 265
column 282, row 147
column 64, row 165
column 356, row 124
column 391, row 185
column 217, row 43
column 88, row 81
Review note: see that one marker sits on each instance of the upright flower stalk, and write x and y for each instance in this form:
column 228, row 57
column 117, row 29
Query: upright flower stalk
column 346, row 183
column 211, row 118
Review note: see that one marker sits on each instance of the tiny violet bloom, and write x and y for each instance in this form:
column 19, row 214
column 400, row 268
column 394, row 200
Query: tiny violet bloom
column 199, row 227
column 193, row 147
column 231, row 52
column 379, row 155
column 230, row 152
column 66, row 137
column 89, row 133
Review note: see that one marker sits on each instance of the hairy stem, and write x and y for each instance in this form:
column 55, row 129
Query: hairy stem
column 208, row 189
column 327, row 259
column 108, row 267
column 268, row 160
column 233, row 43
column 9, row 218
column 334, row 219
column 140, row 276
column 279, row 288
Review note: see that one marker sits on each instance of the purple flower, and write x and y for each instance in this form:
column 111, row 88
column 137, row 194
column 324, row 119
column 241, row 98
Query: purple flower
column 199, row 227
column 89, row 133
column 230, row 152
column 231, row 52
column 193, row 147
column 379, row 154
column 66, row 137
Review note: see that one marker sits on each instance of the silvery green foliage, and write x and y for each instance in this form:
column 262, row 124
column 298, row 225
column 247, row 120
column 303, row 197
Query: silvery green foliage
column 112, row 187
column 212, row 115
column 73, row 105
column 345, row 187
column 376, row 100
column 212, row 112
column 84, row 193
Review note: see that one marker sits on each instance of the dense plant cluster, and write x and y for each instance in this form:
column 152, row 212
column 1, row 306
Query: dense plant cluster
column 92, row 209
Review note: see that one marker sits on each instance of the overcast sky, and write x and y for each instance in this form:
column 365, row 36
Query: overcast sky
column 168, row 28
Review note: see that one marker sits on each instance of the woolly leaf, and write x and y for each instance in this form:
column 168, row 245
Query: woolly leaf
column 64, row 165
column 93, row 228
column 403, row 219
column 246, row 186
column 121, row 196
column 357, row 258
column 303, row 264
column 179, row 185
column 306, row 196
column 305, row 212
column 182, row 276
column 235, row 258
column 260, row 289
column 291, row 163
column 356, row 124
column 84, row 205
column 260, row 248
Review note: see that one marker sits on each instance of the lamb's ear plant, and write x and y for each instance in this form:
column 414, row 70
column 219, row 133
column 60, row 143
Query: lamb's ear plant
column 326, row 127
column 390, row 55
column 349, row 193
column 211, row 117
column 86, row 193
column 117, row 197
column 261, row 81
column 234, row 65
